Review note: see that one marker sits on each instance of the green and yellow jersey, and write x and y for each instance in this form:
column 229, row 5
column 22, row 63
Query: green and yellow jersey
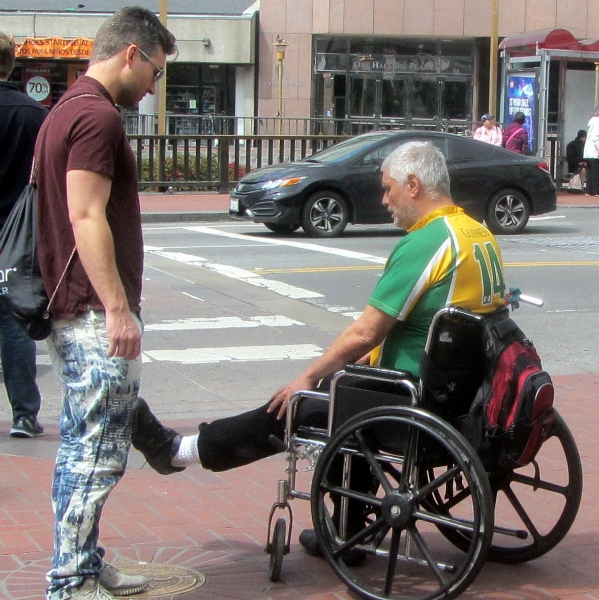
column 447, row 258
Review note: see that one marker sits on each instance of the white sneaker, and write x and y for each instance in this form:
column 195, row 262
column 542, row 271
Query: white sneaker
column 119, row 584
column 91, row 590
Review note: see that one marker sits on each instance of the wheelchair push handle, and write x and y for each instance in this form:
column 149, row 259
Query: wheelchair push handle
column 515, row 296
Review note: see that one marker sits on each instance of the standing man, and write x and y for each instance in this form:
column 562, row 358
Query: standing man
column 488, row 132
column 20, row 120
column 88, row 201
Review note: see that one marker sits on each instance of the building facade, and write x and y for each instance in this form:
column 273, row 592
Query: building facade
column 397, row 60
column 214, row 75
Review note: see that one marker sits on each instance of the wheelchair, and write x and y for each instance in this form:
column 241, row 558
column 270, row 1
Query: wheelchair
column 431, row 513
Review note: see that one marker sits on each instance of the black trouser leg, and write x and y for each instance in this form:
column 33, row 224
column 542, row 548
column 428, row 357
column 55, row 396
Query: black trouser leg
column 236, row 441
column 593, row 178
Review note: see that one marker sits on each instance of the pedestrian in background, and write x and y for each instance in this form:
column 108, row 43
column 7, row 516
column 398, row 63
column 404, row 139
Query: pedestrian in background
column 88, row 200
column 488, row 132
column 515, row 136
column 20, row 120
column 575, row 152
column 591, row 154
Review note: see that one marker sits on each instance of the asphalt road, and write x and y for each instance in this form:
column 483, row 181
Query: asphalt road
column 233, row 311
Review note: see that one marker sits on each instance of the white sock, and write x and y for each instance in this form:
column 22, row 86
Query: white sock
column 188, row 452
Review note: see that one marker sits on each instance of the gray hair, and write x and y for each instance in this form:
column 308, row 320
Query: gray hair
column 132, row 25
column 423, row 160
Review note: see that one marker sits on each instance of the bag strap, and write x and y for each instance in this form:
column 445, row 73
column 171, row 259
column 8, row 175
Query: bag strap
column 47, row 311
column 514, row 135
column 58, row 107
column 32, row 178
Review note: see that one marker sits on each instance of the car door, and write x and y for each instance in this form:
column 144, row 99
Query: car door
column 473, row 169
column 363, row 183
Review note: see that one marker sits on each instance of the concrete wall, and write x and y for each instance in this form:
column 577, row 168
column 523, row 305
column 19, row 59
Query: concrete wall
column 297, row 20
column 232, row 39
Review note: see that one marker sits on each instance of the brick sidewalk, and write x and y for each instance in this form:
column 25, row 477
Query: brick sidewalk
column 216, row 524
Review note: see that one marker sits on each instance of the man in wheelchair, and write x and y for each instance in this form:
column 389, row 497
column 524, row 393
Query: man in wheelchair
column 446, row 258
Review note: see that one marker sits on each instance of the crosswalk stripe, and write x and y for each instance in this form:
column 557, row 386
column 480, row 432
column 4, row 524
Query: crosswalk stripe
column 284, row 289
column 193, row 356
column 221, row 323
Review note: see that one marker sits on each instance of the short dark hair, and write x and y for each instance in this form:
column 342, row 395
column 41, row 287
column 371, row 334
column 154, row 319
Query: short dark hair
column 132, row 25
column 7, row 55
column 581, row 133
column 519, row 117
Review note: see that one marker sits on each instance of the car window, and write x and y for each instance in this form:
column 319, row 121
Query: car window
column 467, row 150
column 378, row 155
column 345, row 150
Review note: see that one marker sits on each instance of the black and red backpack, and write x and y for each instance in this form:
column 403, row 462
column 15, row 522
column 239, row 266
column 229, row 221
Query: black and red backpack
column 512, row 412
column 485, row 377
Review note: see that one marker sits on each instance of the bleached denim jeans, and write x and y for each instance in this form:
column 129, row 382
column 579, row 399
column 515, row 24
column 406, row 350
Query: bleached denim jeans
column 95, row 429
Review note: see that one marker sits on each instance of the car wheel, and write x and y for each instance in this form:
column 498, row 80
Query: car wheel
column 508, row 212
column 282, row 228
column 324, row 215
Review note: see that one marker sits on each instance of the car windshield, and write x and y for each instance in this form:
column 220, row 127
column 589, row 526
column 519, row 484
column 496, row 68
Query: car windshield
column 348, row 149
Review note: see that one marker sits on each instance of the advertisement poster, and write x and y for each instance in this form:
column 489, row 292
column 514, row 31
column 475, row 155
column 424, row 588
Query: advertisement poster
column 521, row 96
column 74, row 72
column 38, row 79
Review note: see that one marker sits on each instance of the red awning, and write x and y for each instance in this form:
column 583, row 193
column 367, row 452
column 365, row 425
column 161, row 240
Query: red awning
column 552, row 39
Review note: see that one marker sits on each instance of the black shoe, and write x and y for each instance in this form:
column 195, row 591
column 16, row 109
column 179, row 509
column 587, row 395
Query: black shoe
column 156, row 442
column 307, row 539
column 26, row 427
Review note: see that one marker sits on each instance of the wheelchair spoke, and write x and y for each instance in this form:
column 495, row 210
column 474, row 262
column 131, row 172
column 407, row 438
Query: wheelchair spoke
column 446, row 521
column 436, row 483
column 509, row 493
column 392, row 564
column 373, row 463
column 361, row 536
column 351, row 494
column 540, row 484
column 415, row 535
column 410, row 469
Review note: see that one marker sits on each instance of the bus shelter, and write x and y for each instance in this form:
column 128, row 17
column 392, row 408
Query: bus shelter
column 541, row 76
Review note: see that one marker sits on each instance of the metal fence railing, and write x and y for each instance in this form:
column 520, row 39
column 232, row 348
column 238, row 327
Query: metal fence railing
column 215, row 162
column 201, row 125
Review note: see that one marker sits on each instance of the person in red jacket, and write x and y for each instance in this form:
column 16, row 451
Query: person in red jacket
column 515, row 136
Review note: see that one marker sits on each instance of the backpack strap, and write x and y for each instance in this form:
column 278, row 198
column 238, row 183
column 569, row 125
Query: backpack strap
column 513, row 135
column 32, row 176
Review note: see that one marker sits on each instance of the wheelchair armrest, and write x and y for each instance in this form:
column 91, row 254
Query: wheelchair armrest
column 378, row 373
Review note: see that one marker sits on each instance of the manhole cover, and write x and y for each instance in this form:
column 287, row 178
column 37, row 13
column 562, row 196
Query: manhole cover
column 165, row 580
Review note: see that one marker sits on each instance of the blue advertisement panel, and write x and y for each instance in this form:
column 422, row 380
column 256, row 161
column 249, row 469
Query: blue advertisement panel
column 521, row 96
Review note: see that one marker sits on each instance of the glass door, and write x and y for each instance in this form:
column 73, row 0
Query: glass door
column 362, row 96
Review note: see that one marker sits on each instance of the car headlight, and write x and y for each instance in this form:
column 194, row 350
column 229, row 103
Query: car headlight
column 275, row 183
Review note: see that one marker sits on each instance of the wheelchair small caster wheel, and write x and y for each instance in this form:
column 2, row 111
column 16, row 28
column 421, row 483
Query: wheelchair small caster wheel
column 277, row 550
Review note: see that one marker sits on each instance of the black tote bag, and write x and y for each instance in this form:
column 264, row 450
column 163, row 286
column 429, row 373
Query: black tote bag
column 22, row 291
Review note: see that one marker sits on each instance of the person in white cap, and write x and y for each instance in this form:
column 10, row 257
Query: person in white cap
column 488, row 132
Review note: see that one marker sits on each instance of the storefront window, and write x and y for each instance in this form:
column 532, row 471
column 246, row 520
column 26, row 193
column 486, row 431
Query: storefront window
column 455, row 102
column 397, row 78
column 424, row 99
column 393, row 101
column 362, row 97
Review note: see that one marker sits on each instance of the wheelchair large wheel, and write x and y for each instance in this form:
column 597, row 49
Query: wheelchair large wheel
column 535, row 505
column 406, row 558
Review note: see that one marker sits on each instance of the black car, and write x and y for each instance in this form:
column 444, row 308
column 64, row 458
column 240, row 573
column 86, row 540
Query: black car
column 342, row 184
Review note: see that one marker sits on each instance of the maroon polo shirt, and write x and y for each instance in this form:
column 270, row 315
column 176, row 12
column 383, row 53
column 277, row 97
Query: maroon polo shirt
column 86, row 133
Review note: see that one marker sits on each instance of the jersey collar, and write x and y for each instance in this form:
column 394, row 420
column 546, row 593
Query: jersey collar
column 435, row 214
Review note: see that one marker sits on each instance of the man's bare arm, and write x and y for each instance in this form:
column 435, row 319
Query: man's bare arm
column 87, row 197
column 352, row 344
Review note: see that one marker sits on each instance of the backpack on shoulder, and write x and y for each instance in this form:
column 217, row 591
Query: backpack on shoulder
column 512, row 412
